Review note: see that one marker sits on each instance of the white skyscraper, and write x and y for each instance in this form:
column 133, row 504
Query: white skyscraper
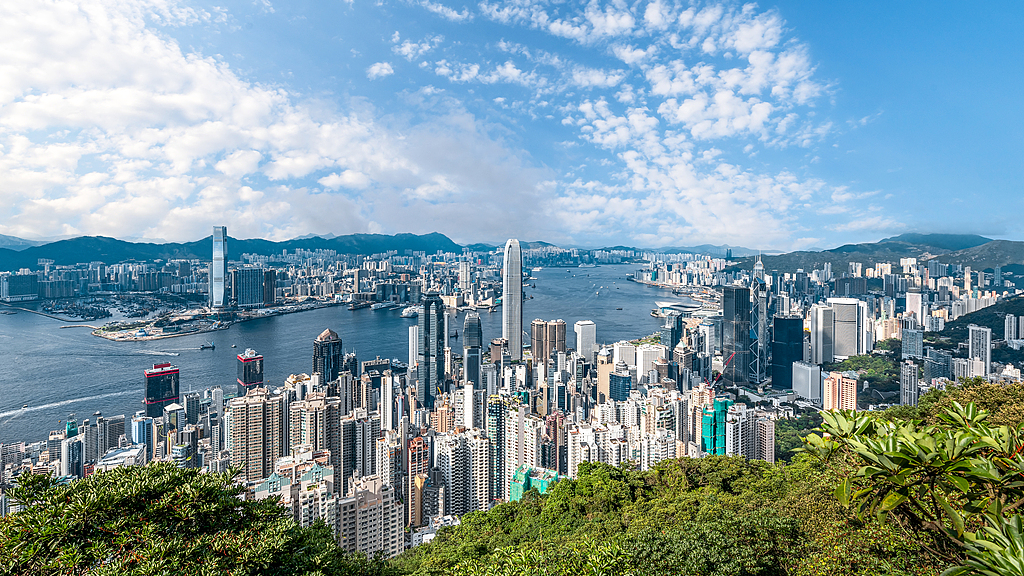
column 1010, row 325
column 980, row 346
column 512, row 299
column 586, row 339
column 217, row 271
column 414, row 334
column 822, row 327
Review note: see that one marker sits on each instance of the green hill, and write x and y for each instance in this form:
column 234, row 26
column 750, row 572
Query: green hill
column 111, row 250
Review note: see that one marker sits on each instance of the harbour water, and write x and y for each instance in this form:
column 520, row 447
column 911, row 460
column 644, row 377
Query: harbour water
column 56, row 372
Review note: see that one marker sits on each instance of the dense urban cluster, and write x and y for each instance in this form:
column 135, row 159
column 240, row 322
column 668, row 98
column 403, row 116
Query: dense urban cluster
column 387, row 452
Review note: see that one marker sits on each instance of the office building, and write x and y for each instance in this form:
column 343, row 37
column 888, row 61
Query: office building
column 980, row 347
column 161, row 388
column 546, row 337
column 430, row 351
column 822, row 326
column 736, row 335
column 908, row 384
column 218, row 271
column 850, row 329
column 787, row 348
column 586, row 339
column 414, row 343
column 673, row 330
column 328, row 356
column 250, row 371
column 247, row 287
column 512, row 299
column 807, row 381
column 472, row 350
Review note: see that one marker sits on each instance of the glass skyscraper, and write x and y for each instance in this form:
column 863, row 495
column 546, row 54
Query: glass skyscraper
column 430, row 350
column 512, row 299
column 217, row 267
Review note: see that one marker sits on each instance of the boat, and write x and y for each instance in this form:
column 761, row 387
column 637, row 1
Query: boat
column 380, row 306
column 234, row 345
column 25, row 406
column 207, row 346
column 538, row 269
column 618, row 308
column 410, row 312
column 588, row 265
column 358, row 305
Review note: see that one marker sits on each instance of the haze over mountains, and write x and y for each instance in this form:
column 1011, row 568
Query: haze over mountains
column 976, row 251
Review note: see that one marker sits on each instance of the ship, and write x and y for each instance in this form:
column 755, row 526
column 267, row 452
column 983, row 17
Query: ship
column 588, row 265
column 380, row 306
column 208, row 346
column 358, row 305
column 411, row 312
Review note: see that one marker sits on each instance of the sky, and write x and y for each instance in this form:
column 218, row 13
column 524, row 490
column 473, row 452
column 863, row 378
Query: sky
column 788, row 125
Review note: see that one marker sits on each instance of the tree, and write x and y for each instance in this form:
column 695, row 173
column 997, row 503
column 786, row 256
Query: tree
column 160, row 519
column 958, row 484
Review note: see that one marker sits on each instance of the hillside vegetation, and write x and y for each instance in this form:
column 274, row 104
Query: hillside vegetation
column 910, row 491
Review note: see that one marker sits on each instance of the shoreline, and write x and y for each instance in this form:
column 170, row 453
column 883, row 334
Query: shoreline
column 113, row 336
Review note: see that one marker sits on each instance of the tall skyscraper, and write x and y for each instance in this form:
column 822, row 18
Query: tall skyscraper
column 250, row 371
column 257, row 432
column 908, row 384
column 217, row 267
column 980, row 346
column 472, row 351
column 586, row 339
column 736, row 337
column 247, row 287
column 1010, row 327
column 512, row 299
column 414, row 339
column 430, row 351
column 787, row 348
column 161, row 388
column 328, row 355
column 849, row 328
column 546, row 336
column 822, row 326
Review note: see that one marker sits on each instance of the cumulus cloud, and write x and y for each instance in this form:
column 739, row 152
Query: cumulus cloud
column 379, row 70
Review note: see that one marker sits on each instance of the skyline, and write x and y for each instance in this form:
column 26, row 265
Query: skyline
column 641, row 124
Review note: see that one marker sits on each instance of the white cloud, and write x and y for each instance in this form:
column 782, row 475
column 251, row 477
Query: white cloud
column 446, row 12
column 594, row 78
column 379, row 70
column 412, row 50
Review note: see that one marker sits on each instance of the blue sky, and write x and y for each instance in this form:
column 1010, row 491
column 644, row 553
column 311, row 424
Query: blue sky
column 777, row 126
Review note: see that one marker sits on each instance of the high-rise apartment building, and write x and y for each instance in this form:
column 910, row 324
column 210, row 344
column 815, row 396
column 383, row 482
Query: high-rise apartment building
column 1010, row 327
column 250, row 371
column 908, row 384
column 161, row 388
column 736, row 334
column 839, row 392
column 430, row 351
column 512, row 299
column 328, row 355
column 586, row 339
column 218, row 270
column 463, row 460
column 980, row 346
column 258, row 433
column 546, row 337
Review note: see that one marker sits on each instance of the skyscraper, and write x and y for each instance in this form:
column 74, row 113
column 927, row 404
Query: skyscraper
column 908, row 384
column 512, row 299
column 161, row 388
column 736, row 336
column 1010, row 327
column 546, row 337
column 787, row 348
column 430, row 351
column 586, row 339
column 472, row 351
column 217, row 267
column 250, row 371
column 328, row 356
column 257, row 432
column 822, row 326
column 980, row 346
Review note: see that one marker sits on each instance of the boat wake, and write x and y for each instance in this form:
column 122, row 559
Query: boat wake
column 20, row 411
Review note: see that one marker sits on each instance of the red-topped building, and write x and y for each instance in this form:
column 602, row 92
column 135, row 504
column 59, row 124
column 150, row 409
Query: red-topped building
column 161, row 388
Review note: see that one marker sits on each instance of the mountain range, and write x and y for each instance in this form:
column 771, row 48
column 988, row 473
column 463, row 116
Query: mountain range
column 979, row 252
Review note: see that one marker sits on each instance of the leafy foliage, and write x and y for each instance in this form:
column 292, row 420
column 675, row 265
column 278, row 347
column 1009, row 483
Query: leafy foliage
column 160, row 519
column 958, row 483
column 790, row 433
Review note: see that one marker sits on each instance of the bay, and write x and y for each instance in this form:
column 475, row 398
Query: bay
column 58, row 372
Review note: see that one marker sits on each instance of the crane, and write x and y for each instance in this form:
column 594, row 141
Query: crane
column 724, row 366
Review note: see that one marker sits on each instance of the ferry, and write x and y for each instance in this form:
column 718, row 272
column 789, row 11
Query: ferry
column 380, row 306
column 588, row 266
column 410, row 312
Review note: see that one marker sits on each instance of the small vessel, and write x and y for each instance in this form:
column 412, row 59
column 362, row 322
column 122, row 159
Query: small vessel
column 588, row 265
column 358, row 305
column 538, row 269
column 25, row 406
column 234, row 345
column 618, row 308
column 207, row 346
